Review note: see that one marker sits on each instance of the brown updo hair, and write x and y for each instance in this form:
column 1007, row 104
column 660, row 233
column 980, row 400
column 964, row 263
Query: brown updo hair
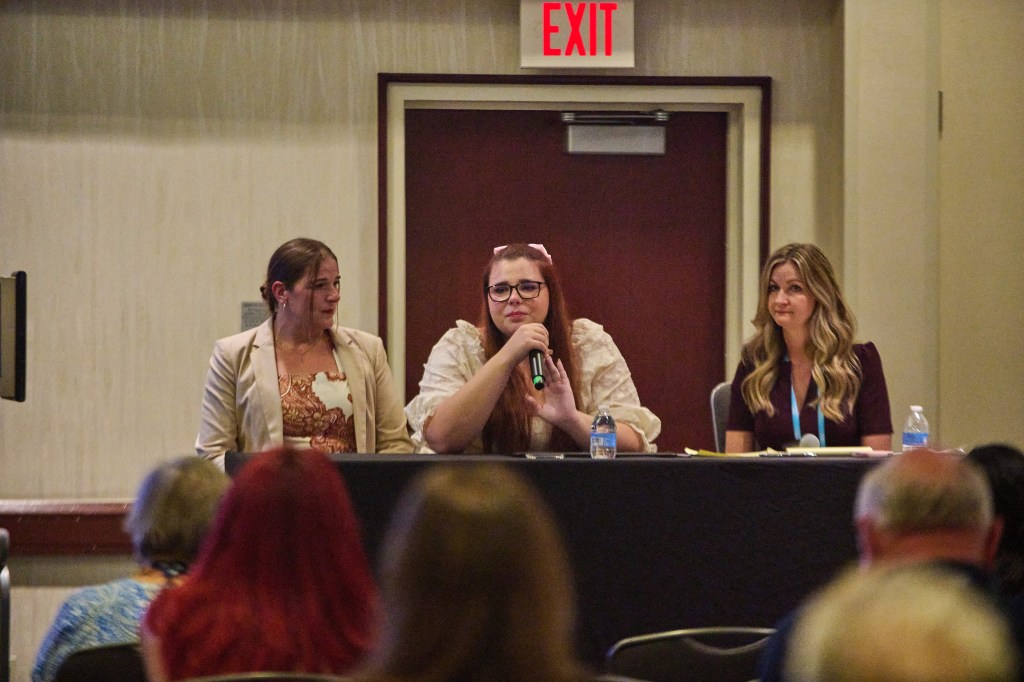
column 292, row 262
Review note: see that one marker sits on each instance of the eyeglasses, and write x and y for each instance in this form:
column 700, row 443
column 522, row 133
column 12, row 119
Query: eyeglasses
column 499, row 293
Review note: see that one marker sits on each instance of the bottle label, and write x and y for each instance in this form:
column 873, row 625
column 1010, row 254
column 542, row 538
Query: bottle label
column 912, row 439
column 602, row 440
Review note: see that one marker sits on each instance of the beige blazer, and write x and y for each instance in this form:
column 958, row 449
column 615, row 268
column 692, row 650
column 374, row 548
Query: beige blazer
column 241, row 408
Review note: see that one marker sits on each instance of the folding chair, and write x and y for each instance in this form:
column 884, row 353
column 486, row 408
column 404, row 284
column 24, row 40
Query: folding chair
column 269, row 677
column 720, row 396
column 710, row 654
column 109, row 662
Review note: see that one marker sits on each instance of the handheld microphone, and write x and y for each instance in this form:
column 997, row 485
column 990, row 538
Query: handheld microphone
column 537, row 368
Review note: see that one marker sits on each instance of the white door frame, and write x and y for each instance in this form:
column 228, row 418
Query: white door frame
column 745, row 203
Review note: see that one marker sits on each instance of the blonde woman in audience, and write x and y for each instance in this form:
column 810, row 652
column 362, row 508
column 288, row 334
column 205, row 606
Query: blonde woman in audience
column 916, row 623
column 801, row 372
column 475, row 584
column 173, row 509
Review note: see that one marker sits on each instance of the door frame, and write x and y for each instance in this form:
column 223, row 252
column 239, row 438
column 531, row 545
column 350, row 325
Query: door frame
column 746, row 101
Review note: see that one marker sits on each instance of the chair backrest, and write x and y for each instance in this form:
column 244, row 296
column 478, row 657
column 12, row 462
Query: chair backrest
column 712, row 654
column 5, row 608
column 121, row 662
column 269, row 677
column 720, row 396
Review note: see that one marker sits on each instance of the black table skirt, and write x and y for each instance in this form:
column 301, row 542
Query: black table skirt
column 665, row 543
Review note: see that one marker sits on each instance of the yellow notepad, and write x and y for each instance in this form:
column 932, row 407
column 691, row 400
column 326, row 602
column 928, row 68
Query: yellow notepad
column 712, row 453
column 831, row 451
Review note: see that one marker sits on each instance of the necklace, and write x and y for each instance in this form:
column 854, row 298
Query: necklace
column 301, row 353
column 294, row 348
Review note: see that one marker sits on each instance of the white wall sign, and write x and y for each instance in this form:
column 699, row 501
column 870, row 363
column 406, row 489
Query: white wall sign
column 576, row 34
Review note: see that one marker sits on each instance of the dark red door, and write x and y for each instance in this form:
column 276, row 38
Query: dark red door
column 639, row 242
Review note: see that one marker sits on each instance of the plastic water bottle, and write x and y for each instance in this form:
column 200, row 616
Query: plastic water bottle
column 915, row 429
column 602, row 435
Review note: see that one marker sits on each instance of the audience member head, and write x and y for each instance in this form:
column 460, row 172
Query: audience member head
column 292, row 263
column 476, row 583
column 282, row 582
column 926, row 505
column 1004, row 467
column 172, row 512
column 508, row 429
column 917, row 623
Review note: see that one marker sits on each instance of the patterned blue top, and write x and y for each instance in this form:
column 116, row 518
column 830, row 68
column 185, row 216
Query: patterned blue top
column 93, row 616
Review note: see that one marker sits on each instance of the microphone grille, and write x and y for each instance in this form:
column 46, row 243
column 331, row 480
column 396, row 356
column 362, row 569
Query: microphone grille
column 809, row 440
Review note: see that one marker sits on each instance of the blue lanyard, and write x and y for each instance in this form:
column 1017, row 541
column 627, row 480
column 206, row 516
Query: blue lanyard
column 796, row 413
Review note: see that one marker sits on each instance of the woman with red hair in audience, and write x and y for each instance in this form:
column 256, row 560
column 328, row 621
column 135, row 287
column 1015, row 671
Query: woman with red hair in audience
column 282, row 583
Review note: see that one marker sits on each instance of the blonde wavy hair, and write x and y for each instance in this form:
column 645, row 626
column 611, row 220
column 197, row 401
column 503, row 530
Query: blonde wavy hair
column 836, row 369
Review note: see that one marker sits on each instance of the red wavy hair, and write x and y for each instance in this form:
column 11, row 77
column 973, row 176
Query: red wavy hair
column 508, row 428
column 282, row 582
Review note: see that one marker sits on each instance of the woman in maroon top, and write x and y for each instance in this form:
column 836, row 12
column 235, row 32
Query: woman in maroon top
column 801, row 373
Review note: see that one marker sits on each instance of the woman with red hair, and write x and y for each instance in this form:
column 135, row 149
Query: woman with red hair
column 476, row 394
column 282, row 583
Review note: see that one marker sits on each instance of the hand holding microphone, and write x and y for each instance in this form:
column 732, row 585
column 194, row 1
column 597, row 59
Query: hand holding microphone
column 527, row 338
column 537, row 368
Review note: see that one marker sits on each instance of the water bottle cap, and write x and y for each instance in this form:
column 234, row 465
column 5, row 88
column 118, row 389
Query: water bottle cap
column 602, row 407
column 916, row 408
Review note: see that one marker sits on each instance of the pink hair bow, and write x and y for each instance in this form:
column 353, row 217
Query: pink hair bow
column 539, row 247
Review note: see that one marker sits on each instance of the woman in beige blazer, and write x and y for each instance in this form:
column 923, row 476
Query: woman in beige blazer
column 298, row 379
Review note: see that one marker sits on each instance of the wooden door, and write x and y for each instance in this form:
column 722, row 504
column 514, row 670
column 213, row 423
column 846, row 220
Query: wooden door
column 639, row 242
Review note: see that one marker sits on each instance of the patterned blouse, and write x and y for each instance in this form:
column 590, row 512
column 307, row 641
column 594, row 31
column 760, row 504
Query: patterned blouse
column 93, row 616
column 317, row 411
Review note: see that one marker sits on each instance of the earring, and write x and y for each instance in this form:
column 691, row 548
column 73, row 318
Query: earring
column 284, row 303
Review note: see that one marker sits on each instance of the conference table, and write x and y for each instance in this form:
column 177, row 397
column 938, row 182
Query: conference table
column 666, row 542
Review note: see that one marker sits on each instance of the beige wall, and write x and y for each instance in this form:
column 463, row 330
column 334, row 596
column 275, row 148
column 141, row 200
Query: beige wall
column 981, row 230
column 891, row 215
column 151, row 158
column 934, row 225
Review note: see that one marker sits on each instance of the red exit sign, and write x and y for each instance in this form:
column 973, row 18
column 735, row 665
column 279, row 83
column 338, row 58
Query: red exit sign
column 576, row 34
